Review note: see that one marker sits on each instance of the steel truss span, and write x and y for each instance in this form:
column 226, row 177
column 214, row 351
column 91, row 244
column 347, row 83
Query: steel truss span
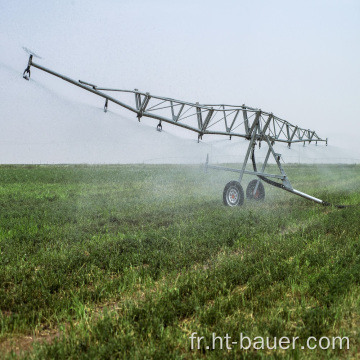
column 242, row 121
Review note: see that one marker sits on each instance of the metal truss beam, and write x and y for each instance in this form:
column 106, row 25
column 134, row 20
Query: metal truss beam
column 218, row 119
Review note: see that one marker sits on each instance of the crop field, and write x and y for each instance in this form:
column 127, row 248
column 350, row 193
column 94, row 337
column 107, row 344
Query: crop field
column 128, row 261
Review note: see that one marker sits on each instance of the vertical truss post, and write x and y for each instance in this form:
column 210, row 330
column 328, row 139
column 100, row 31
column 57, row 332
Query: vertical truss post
column 137, row 99
column 292, row 136
column 143, row 105
column 207, row 119
column 172, row 110
column 287, row 131
column 311, row 135
column 246, row 121
column 199, row 116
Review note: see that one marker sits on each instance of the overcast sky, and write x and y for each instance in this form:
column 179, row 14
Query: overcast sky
column 297, row 59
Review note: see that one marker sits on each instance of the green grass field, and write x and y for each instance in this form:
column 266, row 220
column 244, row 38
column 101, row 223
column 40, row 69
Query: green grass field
column 105, row 262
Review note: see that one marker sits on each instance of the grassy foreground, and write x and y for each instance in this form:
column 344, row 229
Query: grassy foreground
column 105, row 262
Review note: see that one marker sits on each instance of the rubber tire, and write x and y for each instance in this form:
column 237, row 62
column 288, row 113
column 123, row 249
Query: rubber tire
column 260, row 193
column 233, row 194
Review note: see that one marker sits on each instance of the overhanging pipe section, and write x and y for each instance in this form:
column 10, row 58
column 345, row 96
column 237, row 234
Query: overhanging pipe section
column 86, row 87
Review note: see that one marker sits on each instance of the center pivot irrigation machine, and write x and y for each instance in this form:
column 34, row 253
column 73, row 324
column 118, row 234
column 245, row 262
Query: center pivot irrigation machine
column 253, row 124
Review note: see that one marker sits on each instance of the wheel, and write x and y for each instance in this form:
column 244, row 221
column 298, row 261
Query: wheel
column 260, row 191
column 233, row 194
